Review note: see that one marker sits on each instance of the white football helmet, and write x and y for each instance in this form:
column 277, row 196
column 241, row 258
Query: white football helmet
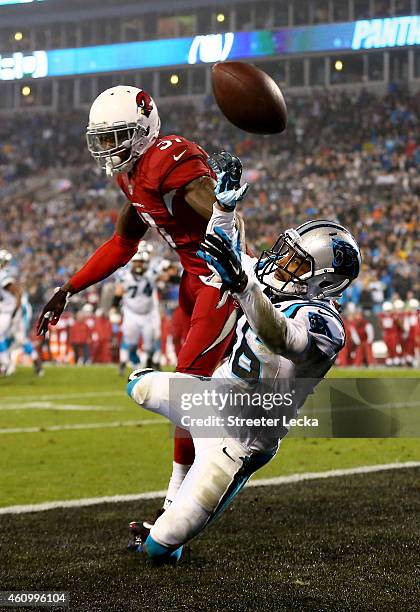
column 398, row 305
column 328, row 255
column 123, row 123
column 5, row 258
column 140, row 262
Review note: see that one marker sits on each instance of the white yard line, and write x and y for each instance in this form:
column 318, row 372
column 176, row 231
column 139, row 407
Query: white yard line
column 263, row 482
column 63, row 407
column 111, row 425
column 65, row 395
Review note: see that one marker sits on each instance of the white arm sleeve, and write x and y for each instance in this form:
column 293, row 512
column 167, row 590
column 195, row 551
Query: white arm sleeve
column 370, row 333
column 6, row 281
column 283, row 336
column 354, row 336
column 226, row 221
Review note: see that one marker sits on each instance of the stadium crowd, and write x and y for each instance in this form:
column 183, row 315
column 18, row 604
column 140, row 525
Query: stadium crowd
column 349, row 156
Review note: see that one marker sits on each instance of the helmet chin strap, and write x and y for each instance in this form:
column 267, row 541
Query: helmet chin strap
column 110, row 165
column 116, row 160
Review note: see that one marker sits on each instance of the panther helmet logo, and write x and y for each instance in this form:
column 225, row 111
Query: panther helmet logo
column 144, row 102
column 345, row 258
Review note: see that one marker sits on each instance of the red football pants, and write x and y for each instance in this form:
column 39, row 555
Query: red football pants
column 391, row 340
column 364, row 355
column 345, row 355
column 209, row 335
column 180, row 325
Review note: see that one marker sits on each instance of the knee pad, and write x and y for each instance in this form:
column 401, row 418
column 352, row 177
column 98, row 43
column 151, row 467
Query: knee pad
column 139, row 385
column 5, row 344
column 28, row 348
column 132, row 355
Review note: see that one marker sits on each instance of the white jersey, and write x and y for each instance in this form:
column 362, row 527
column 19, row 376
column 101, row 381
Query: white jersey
column 312, row 335
column 140, row 293
column 251, row 360
column 7, row 299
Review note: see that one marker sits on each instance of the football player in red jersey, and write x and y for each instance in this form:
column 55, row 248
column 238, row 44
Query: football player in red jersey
column 169, row 185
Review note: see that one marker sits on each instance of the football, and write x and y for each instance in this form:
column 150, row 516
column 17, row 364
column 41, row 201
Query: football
column 249, row 98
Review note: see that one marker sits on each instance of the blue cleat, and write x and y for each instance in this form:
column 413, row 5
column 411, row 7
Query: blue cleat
column 161, row 554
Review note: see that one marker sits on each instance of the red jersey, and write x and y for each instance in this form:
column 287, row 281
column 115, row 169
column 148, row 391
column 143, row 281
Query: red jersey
column 156, row 185
column 364, row 329
column 388, row 324
column 413, row 323
column 79, row 333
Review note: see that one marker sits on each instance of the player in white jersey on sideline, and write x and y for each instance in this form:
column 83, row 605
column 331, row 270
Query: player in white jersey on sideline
column 10, row 299
column 21, row 330
column 15, row 319
column 289, row 332
column 137, row 292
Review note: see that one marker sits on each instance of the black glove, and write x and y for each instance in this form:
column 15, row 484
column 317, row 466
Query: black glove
column 52, row 311
column 219, row 252
column 228, row 168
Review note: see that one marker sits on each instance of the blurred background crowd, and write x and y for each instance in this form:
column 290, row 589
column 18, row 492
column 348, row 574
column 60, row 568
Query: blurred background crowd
column 348, row 156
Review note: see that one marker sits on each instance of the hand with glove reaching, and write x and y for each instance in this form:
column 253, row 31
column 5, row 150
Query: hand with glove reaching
column 228, row 169
column 219, row 252
column 52, row 311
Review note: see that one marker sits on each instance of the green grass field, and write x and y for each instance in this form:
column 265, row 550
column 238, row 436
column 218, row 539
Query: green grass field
column 74, row 433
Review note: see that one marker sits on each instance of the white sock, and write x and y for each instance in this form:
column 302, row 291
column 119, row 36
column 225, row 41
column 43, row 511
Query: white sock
column 179, row 471
column 123, row 355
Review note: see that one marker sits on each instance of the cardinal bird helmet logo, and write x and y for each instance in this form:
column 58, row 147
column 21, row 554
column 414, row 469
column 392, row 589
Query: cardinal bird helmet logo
column 144, row 102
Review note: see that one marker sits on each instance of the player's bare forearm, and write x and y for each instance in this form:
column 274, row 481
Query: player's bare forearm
column 223, row 218
column 129, row 225
column 200, row 195
column 281, row 335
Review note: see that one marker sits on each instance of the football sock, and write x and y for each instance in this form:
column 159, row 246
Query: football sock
column 179, row 471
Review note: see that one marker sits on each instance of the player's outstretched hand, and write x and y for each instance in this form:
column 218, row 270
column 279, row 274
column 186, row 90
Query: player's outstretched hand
column 228, row 169
column 219, row 252
column 52, row 311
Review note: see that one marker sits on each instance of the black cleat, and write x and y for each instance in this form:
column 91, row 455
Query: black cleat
column 139, row 532
column 121, row 368
column 38, row 369
column 138, row 535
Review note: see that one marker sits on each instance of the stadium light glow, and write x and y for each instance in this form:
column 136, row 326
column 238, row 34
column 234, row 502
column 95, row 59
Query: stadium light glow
column 364, row 34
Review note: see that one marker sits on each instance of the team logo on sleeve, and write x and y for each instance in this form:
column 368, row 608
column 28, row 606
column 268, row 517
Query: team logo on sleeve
column 345, row 258
column 318, row 324
column 144, row 102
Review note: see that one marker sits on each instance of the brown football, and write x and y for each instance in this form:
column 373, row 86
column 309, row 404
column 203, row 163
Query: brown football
column 249, row 98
